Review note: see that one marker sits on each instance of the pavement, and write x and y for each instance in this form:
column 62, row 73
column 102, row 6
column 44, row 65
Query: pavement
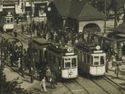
column 34, row 87
column 120, row 80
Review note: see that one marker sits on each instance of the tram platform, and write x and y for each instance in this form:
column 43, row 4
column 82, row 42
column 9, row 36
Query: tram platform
column 120, row 80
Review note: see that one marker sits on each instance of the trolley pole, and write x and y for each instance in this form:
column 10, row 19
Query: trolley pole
column 31, row 67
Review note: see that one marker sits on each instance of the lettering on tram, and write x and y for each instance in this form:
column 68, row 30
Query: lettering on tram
column 91, row 59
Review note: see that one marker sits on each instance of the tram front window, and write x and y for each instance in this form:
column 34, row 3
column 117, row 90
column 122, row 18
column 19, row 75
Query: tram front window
column 74, row 62
column 67, row 64
column 96, row 63
column 7, row 21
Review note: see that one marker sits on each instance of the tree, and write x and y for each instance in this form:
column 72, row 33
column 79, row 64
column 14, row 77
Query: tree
column 10, row 87
column 110, row 5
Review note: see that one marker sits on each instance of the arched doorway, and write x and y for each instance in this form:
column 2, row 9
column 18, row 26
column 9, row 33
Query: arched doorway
column 89, row 29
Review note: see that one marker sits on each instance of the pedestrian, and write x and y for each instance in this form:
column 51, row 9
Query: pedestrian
column 48, row 73
column 52, row 81
column 31, row 74
column 22, row 26
column 43, row 84
column 117, row 70
column 107, row 65
column 15, row 33
column 19, row 63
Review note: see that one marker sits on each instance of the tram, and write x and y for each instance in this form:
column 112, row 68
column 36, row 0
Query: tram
column 91, row 58
column 62, row 61
column 7, row 22
column 113, row 44
column 36, row 50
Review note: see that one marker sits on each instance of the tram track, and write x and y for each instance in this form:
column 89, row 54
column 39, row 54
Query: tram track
column 108, row 86
column 78, row 89
column 23, row 38
column 83, row 87
column 100, row 86
column 117, row 86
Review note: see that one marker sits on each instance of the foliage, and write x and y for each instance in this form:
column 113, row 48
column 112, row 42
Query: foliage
column 10, row 87
column 110, row 5
column 114, row 5
column 100, row 4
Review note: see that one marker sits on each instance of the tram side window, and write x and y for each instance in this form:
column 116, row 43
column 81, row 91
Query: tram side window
column 59, row 61
column 74, row 62
column 85, row 58
column 88, row 58
column 102, row 60
column 82, row 56
column 11, row 19
column 91, row 59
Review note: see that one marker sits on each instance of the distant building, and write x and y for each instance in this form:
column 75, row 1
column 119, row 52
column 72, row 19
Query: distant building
column 29, row 7
column 78, row 15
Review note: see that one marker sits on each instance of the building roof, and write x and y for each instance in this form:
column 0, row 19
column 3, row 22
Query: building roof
column 120, row 28
column 88, row 12
column 78, row 9
column 120, row 3
column 63, row 7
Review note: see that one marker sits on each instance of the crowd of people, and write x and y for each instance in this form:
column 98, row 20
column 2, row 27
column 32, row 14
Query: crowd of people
column 20, row 58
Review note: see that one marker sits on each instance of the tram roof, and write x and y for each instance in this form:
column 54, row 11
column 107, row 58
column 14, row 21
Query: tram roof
column 86, row 47
column 56, row 47
column 60, row 49
column 112, row 36
column 40, row 41
column 7, row 36
column 121, row 28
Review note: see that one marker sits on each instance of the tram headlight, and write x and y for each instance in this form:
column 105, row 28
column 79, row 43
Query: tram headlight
column 98, row 47
column 69, row 49
column 57, row 46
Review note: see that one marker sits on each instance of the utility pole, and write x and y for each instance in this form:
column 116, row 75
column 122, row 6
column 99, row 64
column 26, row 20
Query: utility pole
column 1, row 66
column 105, row 18
column 31, row 67
column 124, row 13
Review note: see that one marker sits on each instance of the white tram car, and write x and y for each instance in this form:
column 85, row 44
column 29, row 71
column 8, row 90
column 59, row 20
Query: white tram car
column 8, row 22
column 91, row 58
column 63, row 61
